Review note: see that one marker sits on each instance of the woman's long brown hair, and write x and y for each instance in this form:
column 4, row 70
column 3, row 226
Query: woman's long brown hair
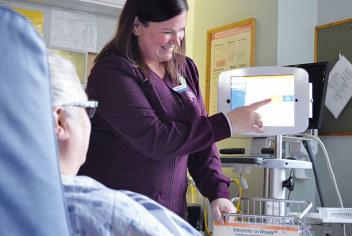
column 125, row 43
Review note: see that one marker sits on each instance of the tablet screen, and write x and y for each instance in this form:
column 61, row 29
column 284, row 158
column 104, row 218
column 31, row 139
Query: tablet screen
column 280, row 88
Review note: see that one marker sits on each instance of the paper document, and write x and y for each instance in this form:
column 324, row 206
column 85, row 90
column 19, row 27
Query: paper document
column 73, row 30
column 339, row 89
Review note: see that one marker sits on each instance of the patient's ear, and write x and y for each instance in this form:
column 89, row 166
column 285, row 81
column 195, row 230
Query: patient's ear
column 60, row 123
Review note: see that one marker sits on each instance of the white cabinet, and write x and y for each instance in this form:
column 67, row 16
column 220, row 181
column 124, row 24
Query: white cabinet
column 106, row 7
column 118, row 4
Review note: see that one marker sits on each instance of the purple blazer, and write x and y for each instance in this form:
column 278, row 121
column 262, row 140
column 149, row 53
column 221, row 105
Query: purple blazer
column 145, row 135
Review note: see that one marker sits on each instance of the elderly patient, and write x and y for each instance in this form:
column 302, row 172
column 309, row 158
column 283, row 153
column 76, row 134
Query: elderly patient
column 93, row 208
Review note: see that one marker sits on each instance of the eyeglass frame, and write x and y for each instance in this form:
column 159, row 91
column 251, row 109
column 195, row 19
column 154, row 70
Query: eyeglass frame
column 91, row 104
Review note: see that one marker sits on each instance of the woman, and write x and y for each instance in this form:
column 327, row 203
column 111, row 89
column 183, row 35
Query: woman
column 94, row 209
column 151, row 124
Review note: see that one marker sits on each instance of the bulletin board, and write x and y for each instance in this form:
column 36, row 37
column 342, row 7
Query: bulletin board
column 330, row 40
column 67, row 32
column 228, row 47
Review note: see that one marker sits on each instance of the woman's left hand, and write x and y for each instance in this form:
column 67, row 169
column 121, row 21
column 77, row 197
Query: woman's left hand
column 221, row 205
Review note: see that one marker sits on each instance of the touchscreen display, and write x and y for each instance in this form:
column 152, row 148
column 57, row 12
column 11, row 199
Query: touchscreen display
column 280, row 88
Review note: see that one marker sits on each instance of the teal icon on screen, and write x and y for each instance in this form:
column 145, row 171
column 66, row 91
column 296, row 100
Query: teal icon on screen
column 238, row 95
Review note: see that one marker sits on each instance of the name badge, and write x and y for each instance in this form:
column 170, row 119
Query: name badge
column 180, row 88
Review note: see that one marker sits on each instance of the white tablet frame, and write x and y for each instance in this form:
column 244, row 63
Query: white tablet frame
column 301, row 96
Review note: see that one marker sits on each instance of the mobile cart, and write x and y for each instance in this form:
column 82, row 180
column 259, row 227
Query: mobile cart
column 263, row 217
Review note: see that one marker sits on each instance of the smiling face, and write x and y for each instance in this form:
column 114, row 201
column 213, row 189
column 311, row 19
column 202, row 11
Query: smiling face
column 157, row 40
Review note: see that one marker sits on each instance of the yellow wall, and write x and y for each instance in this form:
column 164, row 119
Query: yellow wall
column 202, row 16
column 190, row 28
column 207, row 14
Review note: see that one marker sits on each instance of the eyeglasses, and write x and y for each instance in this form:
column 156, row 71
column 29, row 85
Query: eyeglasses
column 90, row 106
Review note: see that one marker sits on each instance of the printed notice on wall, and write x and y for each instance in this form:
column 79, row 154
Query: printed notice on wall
column 73, row 30
column 339, row 89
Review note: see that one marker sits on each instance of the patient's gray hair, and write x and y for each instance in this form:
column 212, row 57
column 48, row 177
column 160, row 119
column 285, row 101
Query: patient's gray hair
column 65, row 84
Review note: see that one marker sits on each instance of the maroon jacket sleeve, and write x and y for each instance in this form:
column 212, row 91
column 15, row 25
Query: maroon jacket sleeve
column 124, row 106
column 205, row 165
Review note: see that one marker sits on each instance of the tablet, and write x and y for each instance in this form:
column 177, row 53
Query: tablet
column 288, row 88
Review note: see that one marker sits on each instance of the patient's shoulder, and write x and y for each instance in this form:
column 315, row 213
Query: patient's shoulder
column 94, row 208
column 83, row 184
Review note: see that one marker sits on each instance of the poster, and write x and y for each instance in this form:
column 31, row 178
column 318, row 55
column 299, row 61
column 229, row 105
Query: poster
column 229, row 47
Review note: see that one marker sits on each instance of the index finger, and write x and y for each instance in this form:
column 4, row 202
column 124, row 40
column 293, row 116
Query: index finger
column 254, row 106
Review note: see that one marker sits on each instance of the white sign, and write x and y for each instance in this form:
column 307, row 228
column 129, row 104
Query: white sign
column 248, row 229
column 339, row 89
column 73, row 30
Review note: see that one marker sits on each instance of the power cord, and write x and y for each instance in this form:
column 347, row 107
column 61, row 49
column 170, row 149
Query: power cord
column 330, row 171
column 289, row 184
